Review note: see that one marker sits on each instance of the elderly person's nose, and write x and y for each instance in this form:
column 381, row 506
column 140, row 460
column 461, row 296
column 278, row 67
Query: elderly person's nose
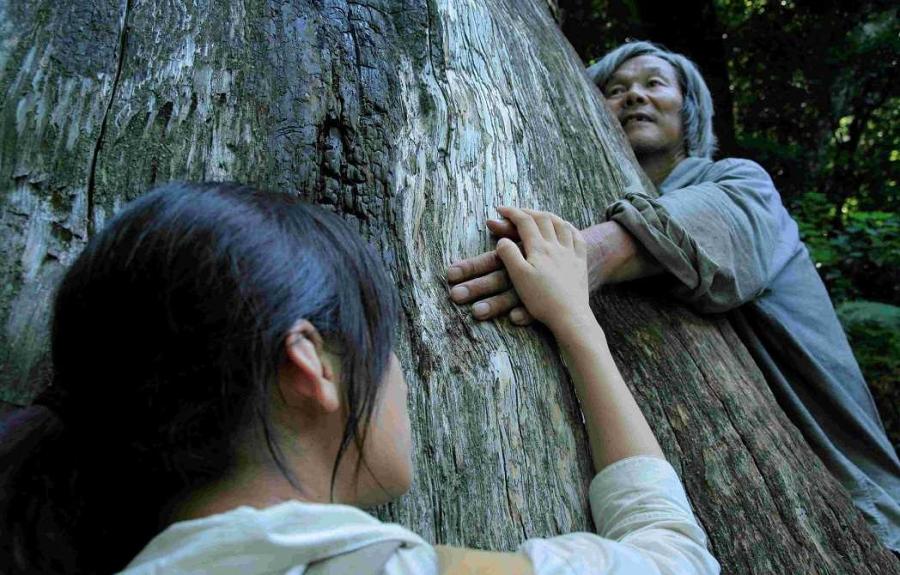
column 634, row 95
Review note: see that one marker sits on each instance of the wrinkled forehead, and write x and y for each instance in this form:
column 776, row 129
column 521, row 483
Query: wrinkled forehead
column 642, row 66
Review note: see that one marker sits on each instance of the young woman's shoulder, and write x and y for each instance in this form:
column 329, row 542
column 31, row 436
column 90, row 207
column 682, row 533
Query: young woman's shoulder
column 459, row 561
column 283, row 537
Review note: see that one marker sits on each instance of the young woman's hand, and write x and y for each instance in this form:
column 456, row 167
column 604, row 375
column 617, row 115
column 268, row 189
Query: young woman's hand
column 551, row 276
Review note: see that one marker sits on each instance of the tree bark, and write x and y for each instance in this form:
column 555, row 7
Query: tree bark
column 413, row 120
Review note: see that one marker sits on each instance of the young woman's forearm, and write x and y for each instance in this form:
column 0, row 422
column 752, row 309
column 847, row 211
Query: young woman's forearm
column 615, row 425
column 552, row 282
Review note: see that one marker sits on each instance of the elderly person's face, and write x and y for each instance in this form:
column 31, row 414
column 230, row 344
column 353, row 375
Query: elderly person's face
column 645, row 96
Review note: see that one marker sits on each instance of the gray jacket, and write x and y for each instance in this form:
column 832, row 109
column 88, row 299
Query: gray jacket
column 720, row 228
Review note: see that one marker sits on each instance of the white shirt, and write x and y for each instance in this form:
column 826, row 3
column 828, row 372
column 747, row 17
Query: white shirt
column 644, row 523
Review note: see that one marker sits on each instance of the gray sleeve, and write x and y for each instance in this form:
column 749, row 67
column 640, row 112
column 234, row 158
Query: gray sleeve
column 718, row 237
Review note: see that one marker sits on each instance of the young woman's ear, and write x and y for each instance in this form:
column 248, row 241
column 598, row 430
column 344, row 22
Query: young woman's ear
column 307, row 378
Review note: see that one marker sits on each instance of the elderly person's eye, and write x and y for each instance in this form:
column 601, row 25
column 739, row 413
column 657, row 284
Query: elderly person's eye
column 614, row 91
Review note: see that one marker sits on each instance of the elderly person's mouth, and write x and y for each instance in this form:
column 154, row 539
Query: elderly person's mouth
column 636, row 118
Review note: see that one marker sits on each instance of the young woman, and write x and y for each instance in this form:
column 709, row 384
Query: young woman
column 226, row 397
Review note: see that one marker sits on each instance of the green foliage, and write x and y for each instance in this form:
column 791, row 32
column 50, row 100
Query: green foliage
column 861, row 259
column 874, row 333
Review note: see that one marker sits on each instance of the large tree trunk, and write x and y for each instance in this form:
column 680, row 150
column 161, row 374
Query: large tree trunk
column 413, row 119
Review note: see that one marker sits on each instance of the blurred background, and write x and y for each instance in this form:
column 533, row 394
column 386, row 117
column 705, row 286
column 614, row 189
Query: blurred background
column 810, row 90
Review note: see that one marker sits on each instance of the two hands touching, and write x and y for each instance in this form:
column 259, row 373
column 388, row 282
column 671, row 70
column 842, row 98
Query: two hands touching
column 612, row 254
column 548, row 282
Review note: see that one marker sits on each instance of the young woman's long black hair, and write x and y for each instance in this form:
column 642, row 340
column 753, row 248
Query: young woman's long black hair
column 168, row 332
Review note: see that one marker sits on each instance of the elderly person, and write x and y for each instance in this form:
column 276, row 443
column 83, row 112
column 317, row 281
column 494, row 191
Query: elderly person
column 720, row 229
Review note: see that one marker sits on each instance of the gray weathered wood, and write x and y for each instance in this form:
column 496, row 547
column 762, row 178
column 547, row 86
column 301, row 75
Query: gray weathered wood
column 413, row 119
column 57, row 71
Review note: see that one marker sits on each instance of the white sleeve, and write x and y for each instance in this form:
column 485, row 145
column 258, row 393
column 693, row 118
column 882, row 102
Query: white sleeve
column 645, row 527
column 413, row 560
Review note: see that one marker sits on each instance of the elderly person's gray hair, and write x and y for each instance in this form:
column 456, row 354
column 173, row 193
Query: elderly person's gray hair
column 697, row 111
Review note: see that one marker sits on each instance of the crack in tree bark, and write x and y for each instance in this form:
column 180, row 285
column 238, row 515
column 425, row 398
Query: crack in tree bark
column 91, row 184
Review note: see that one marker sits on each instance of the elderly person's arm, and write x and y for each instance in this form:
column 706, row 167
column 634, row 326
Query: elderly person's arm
column 720, row 238
column 613, row 256
column 724, row 237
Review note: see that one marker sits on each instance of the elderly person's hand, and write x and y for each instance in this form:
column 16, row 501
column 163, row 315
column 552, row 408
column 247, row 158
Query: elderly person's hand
column 613, row 256
column 549, row 269
column 484, row 280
